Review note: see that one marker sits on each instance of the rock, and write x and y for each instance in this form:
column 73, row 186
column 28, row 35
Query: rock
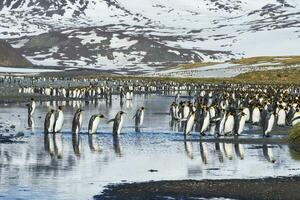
column 19, row 134
column 10, row 57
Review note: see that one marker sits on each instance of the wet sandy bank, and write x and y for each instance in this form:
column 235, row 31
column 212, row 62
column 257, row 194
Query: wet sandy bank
column 258, row 189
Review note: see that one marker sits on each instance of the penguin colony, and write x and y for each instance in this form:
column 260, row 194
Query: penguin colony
column 224, row 107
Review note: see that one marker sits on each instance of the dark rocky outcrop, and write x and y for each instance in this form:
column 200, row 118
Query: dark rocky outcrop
column 10, row 57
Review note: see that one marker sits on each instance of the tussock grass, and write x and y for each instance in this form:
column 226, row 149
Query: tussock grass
column 281, row 76
column 294, row 134
column 284, row 60
column 294, row 150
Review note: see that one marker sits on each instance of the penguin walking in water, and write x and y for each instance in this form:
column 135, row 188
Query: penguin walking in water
column 185, row 111
column 139, row 118
column 59, row 119
column 205, row 121
column 240, row 123
column 268, row 120
column 31, row 107
column 221, row 123
column 229, row 124
column 118, row 123
column 77, row 121
column 49, row 121
column 94, row 123
column 190, row 123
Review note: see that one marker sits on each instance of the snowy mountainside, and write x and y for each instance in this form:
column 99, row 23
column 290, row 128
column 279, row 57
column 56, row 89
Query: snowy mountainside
column 147, row 35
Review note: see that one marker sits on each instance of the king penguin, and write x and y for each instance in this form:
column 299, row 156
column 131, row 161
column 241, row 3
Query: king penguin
column 118, row 123
column 59, row 119
column 77, row 121
column 189, row 123
column 94, row 123
column 49, row 121
column 139, row 117
column 281, row 116
column 205, row 121
column 31, row 107
column 229, row 124
column 240, row 123
column 268, row 120
column 256, row 115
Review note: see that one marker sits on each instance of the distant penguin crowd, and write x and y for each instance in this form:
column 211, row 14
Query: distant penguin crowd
column 218, row 109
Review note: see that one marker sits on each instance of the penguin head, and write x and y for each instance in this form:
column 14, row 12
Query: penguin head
column 142, row 108
column 243, row 114
column 101, row 116
column 79, row 110
column 60, row 107
column 122, row 113
column 32, row 99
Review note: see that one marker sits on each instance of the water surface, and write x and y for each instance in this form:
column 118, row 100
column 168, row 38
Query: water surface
column 62, row 166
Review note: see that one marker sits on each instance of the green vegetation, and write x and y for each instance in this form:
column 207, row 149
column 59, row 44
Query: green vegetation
column 285, row 76
column 281, row 76
column 288, row 76
column 294, row 150
column 284, row 60
column 294, row 134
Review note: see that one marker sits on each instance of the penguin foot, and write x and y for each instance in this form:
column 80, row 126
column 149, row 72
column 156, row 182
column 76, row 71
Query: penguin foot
column 203, row 134
column 267, row 135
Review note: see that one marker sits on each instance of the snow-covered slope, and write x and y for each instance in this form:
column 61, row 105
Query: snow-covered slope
column 117, row 34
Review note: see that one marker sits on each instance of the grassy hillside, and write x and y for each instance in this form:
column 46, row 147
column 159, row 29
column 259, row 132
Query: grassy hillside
column 281, row 76
column 283, row 60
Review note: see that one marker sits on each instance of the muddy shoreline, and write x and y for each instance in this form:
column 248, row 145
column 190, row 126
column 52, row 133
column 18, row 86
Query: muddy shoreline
column 246, row 189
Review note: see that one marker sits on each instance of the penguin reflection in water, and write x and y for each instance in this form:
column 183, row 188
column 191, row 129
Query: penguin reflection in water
column 139, row 118
column 77, row 121
column 31, row 124
column 57, row 137
column 93, row 143
column 118, row 123
column 268, row 153
column 117, row 146
column 188, row 146
column 76, row 144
